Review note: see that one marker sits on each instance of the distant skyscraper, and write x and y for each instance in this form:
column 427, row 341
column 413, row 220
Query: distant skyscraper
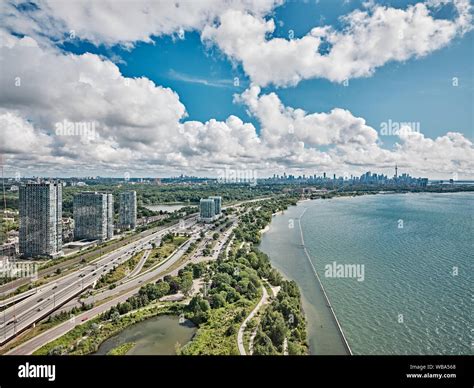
column 207, row 210
column 128, row 210
column 217, row 204
column 93, row 216
column 40, row 206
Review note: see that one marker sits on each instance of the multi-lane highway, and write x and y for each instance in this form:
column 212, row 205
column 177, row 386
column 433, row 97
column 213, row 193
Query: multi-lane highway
column 136, row 281
column 42, row 301
column 51, row 296
column 130, row 287
column 8, row 288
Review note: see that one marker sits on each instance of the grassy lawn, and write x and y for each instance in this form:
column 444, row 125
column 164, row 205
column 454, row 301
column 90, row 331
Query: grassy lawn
column 119, row 272
column 160, row 253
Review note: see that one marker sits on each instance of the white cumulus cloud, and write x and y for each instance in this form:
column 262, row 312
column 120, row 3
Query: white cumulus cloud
column 112, row 22
column 138, row 127
column 370, row 38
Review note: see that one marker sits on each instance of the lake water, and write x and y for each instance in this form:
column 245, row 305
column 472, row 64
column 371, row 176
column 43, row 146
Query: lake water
column 154, row 336
column 417, row 255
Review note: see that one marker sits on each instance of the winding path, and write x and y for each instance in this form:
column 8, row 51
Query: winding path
column 240, row 335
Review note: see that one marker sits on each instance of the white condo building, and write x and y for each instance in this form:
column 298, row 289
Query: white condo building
column 207, row 211
column 93, row 216
column 210, row 208
column 217, row 204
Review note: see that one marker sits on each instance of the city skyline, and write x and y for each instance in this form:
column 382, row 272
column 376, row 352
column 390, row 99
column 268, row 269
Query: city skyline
column 232, row 175
column 185, row 91
column 40, row 204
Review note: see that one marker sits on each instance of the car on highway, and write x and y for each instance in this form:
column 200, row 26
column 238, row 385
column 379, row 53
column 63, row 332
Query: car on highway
column 39, row 300
column 84, row 319
column 39, row 309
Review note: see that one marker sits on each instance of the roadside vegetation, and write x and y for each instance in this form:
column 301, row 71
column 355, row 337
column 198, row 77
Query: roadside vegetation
column 44, row 325
column 119, row 271
column 87, row 337
column 169, row 243
column 121, row 349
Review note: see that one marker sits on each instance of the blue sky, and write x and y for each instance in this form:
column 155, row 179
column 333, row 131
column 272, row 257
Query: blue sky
column 399, row 57
column 418, row 90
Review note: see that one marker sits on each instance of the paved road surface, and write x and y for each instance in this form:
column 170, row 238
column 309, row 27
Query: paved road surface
column 35, row 343
column 53, row 295
column 129, row 288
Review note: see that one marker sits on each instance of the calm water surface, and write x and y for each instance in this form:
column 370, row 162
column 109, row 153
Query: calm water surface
column 154, row 336
column 417, row 253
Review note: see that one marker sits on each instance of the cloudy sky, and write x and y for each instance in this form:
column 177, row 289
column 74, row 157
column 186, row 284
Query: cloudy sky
column 158, row 88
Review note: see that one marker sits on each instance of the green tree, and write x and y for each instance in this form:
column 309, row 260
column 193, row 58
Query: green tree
column 198, row 270
column 263, row 345
column 186, row 283
column 125, row 308
column 278, row 331
column 115, row 317
column 217, row 301
column 162, row 288
column 198, row 310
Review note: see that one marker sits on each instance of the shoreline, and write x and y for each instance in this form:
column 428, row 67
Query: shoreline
column 341, row 332
column 323, row 330
column 283, row 246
